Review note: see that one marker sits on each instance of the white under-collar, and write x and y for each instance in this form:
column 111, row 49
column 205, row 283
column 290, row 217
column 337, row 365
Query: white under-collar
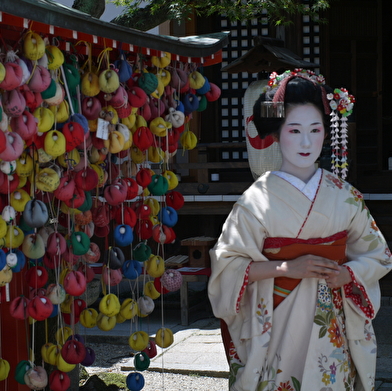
column 308, row 189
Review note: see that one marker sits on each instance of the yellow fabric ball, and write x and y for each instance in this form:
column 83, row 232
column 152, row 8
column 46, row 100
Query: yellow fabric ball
column 55, row 57
column 33, row 46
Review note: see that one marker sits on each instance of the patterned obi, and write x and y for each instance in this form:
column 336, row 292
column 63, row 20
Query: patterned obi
column 333, row 247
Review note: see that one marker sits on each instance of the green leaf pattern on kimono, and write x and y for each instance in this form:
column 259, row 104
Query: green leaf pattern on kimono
column 336, row 361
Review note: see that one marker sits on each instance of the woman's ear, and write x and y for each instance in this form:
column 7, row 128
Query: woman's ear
column 275, row 137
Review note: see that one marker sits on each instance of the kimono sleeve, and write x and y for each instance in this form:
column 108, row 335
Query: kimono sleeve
column 240, row 243
column 368, row 254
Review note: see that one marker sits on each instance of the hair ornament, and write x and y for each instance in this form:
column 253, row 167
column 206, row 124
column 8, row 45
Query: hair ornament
column 341, row 103
column 275, row 79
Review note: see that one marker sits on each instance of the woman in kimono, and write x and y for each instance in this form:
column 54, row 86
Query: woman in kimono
column 295, row 272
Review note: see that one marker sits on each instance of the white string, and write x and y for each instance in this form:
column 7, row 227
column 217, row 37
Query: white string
column 67, row 90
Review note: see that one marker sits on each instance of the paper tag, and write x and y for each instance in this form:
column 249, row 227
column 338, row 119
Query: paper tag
column 103, row 129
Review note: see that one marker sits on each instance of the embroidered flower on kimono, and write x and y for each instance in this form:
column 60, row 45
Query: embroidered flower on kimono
column 324, row 297
column 335, row 336
column 266, row 326
column 233, row 351
column 388, row 252
column 374, row 226
column 337, row 299
column 336, row 181
column 368, row 336
column 285, row 387
column 357, row 195
column 326, row 379
column 333, row 369
column 371, row 379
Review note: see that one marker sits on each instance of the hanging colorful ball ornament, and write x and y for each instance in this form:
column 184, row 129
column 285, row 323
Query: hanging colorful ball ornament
column 106, row 323
column 36, row 277
column 36, row 378
column 59, row 381
column 142, row 252
column 150, row 290
column 62, row 365
column 89, row 358
column 146, row 305
column 171, row 280
column 56, row 293
column 143, row 229
column 159, row 287
column 164, row 337
column 73, row 352
column 135, row 381
column 110, row 305
column 18, row 308
column 87, row 271
column 21, row 369
column 138, row 340
column 155, row 266
column 114, row 258
column 129, row 309
column 74, row 283
column 163, row 234
column 159, row 185
column 175, row 200
column 111, row 277
column 4, row 369
column 141, row 361
column 131, row 269
column 151, row 349
column 88, row 317
column 40, row 308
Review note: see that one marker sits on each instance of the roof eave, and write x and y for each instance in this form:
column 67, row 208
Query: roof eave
column 51, row 13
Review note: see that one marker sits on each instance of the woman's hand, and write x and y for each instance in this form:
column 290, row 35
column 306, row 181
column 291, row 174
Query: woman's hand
column 306, row 266
column 310, row 266
column 337, row 281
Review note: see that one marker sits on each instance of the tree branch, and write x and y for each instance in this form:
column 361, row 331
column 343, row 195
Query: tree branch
column 94, row 8
column 144, row 19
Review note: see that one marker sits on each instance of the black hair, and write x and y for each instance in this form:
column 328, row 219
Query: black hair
column 299, row 91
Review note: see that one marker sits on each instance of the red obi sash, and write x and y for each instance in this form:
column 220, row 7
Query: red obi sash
column 332, row 247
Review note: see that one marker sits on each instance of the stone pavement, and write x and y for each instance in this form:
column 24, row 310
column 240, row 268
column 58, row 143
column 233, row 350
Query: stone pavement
column 198, row 348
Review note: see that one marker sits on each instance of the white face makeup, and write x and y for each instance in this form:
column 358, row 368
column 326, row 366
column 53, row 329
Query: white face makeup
column 301, row 139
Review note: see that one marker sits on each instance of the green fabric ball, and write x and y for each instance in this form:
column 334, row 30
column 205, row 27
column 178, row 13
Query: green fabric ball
column 148, row 82
column 141, row 361
column 142, row 252
column 72, row 76
column 159, row 185
column 88, row 202
column 202, row 102
column 20, row 371
column 80, row 243
column 50, row 92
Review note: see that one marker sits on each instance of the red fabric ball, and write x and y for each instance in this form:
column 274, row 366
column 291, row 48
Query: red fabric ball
column 36, row 277
column 59, row 381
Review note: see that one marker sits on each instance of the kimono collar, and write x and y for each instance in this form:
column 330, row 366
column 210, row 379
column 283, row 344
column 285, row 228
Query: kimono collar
column 308, row 189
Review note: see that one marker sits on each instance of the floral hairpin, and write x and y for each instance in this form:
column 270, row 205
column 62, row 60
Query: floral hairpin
column 275, row 79
column 341, row 102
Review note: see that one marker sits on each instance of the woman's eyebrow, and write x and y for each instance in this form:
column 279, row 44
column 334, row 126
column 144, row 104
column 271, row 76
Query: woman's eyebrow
column 298, row 124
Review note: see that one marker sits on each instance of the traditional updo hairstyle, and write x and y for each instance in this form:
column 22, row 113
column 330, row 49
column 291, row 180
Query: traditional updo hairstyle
column 292, row 91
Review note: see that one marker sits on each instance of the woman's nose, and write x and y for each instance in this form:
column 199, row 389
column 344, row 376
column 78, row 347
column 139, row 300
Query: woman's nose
column 305, row 140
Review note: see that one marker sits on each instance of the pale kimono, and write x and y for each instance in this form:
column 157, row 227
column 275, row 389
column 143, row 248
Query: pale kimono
column 317, row 339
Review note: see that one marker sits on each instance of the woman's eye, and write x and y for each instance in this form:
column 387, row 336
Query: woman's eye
column 316, row 130
column 294, row 131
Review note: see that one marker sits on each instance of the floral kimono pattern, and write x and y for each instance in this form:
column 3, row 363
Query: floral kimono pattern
column 316, row 338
